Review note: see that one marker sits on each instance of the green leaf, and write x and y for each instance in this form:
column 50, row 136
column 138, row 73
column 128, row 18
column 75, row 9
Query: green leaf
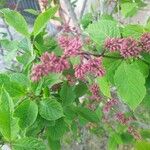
column 141, row 66
column 28, row 144
column 51, row 80
column 146, row 57
column 43, row 19
column 142, row 145
column 112, row 145
column 38, row 126
column 16, row 20
column 57, row 131
column 81, row 89
column 103, row 29
column 134, row 31
column 111, row 66
column 8, row 124
column 21, row 79
column 67, row 94
column 54, row 144
column 129, row 9
column 88, row 114
column 104, row 86
column 86, row 20
column 13, row 88
column 50, row 109
column 27, row 113
column 32, row 11
column 130, row 84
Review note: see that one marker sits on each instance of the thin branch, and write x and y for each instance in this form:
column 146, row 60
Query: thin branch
column 17, row 5
column 8, row 30
column 100, row 55
column 72, row 14
column 83, row 9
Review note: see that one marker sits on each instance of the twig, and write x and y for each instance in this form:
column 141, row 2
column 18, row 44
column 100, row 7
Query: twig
column 8, row 30
column 100, row 55
column 83, row 9
column 17, row 5
column 72, row 14
column 10, row 69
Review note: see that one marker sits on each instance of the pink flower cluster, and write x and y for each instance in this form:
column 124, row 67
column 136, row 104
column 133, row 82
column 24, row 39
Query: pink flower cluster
column 49, row 63
column 113, row 44
column 71, row 45
column 95, row 90
column 109, row 105
column 134, row 133
column 130, row 48
column 122, row 118
column 145, row 42
column 92, row 66
column 127, row 47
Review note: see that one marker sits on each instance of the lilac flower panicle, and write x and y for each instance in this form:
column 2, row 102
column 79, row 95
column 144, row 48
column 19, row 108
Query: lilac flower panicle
column 70, row 45
column 134, row 133
column 73, row 47
column 127, row 47
column 37, row 72
column 63, row 41
column 92, row 66
column 95, row 90
column 61, row 65
column 109, row 105
column 50, row 63
column 130, row 48
column 121, row 118
column 113, row 44
column 145, row 42
column 80, row 72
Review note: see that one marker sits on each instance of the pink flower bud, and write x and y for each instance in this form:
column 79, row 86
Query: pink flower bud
column 145, row 41
column 94, row 89
column 130, row 48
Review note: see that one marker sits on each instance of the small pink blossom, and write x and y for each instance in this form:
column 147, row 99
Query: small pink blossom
column 74, row 47
column 92, row 66
column 95, row 90
column 134, row 133
column 37, row 72
column 109, row 105
column 130, row 48
column 121, row 118
column 113, row 44
column 80, row 71
column 63, row 41
column 71, row 45
column 50, row 63
column 145, row 42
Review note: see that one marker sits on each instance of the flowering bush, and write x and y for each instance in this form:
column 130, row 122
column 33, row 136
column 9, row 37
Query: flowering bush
column 98, row 79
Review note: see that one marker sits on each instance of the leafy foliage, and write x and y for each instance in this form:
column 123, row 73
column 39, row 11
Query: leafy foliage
column 81, row 81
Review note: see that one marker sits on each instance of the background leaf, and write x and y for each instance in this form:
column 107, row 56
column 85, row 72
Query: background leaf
column 129, row 9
